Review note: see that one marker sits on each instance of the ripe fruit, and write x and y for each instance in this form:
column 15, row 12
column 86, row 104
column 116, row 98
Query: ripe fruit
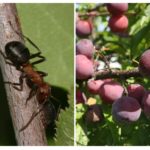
column 117, row 8
column 85, row 47
column 118, row 23
column 83, row 28
column 144, row 63
column 126, row 109
column 84, row 67
column 137, row 91
column 146, row 103
column 80, row 97
column 110, row 91
column 94, row 114
column 93, row 86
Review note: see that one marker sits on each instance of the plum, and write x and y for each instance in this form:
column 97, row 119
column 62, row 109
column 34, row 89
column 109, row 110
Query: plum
column 118, row 24
column 126, row 109
column 83, row 28
column 117, row 8
column 137, row 91
column 110, row 91
column 146, row 103
column 93, row 86
column 144, row 63
column 85, row 47
column 84, row 67
column 94, row 114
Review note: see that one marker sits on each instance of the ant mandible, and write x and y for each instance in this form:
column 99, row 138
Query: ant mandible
column 19, row 55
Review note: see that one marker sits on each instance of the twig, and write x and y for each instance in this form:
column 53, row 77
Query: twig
column 117, row 74
column 34, row 134
column 96, row 14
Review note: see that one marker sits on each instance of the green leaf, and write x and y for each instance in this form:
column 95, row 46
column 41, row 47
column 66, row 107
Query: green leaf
column 65, row 124
column 81, row 136
column 142, row 22
column 139, row 24
column 80, row 109
column 137, row 39
column 147, row 11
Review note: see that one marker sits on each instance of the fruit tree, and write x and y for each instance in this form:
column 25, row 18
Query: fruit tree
column 113, row 74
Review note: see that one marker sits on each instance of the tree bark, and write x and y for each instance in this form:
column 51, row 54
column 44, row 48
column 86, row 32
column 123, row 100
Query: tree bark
column 34, row 134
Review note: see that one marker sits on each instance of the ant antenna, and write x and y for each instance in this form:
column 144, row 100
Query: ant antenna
column 25, row 37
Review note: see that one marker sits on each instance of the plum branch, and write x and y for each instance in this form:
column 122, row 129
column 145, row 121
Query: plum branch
column 96, row 14
column 117, row 74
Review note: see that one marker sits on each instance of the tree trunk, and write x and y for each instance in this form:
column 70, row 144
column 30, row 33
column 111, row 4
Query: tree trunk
column 34, row 134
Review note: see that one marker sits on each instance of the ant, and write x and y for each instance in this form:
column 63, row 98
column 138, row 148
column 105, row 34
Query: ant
column 19, row 55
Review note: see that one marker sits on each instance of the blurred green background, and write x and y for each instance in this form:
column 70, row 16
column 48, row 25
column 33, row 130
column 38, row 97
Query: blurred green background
column 51, row 27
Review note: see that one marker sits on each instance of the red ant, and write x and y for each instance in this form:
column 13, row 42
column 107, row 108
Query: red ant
column 19, row 56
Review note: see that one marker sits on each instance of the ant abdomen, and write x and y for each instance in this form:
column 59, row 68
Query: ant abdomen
column 17, row 53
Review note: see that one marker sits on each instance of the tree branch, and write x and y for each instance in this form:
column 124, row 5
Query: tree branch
column 34, row 134
column 117, row 74
column 96, row 14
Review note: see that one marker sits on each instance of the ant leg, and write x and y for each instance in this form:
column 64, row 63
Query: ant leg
column 6, row 58
column 17, row 84
column 42, row 58
column 25, row 37
column 42, row 74
column 31, row 42
column 34, row 114
column 31, row 94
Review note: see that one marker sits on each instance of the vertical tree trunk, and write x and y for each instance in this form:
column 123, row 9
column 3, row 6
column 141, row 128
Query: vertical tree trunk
column 34, row 134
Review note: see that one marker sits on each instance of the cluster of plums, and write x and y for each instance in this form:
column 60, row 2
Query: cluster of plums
column 118, row 22
column 126, row 106
column 84, row 61
column 84, row 50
